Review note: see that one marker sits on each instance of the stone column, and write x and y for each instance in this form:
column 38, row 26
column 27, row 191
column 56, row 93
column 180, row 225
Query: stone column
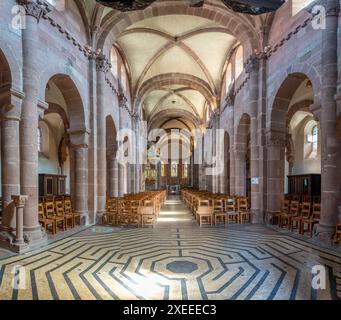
column 10, row 155
column 240, row 172
column 330, row 197
column 29, row 120
column 19, row 203
column 232, row 171
column 121, row 175
column 79, row 147
column 276, row 142
column 113, row 171
column 102, row 67
column 253, row 69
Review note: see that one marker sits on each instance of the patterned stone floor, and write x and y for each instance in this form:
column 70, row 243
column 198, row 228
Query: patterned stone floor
column 175, row 260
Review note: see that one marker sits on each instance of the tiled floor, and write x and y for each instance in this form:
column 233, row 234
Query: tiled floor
column 175, row 260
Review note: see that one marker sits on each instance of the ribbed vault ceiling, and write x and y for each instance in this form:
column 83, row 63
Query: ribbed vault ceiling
column 175, row 44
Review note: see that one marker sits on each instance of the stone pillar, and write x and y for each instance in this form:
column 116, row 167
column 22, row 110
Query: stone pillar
column 79, row 147
column 29, row 120
column 240, row 172
column 19, row 203
column 10, row 155
column 113, row 176
column 330, row 194
column 253, row 69
column 275, row 170
column 102, row 67
column 232, row 172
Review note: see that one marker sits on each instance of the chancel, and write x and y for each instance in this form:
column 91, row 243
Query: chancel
column 170, row 150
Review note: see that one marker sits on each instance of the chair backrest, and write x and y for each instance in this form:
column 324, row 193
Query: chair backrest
column 41, row 210
column 285, row 205
column 316, row 208
column 242, row 204
column 218, row 205
column 338, row 228
column 306, row 209
column 294, row 207
column 49, row 209
column 230, row 204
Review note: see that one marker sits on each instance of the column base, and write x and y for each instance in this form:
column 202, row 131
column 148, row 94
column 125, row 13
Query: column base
column 33, row 239
column 98, row 218
column 85, row 218
column 324, row 233
column 256, row 216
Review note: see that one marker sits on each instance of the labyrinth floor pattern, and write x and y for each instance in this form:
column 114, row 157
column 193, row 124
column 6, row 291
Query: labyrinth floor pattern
column 175, row 260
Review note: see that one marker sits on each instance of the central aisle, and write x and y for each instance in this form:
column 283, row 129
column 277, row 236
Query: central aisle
column 175, row 214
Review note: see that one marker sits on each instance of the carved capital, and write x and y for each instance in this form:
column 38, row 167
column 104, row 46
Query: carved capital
column 79, row 139
column 102, row 63
column 276, row 139
column 19, row 200
column 36, row 9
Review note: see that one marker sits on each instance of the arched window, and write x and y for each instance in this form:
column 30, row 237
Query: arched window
column 314, row 140
column 239, row 61
column 174, row 169
column 311, row 132
column 43, row 138
column 163, row 169
column 228, row 77
column 113, row 61
column 123, row 78
column 185, row 171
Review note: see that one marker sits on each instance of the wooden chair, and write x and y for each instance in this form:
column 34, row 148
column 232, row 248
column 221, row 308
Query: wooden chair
column 285, row 207
column 305, row 214
column 205, row 215
column 202, row 203
column 337, row 235
column 123, row 216
column 135, row 217
column 60, row 212
column 147, row 217
column 50, row 214
column 68, row 209
column 231, row 214
column 312, row 220
column 285, row 218
column 243, row 210
column 44, row 221
column 219, row 215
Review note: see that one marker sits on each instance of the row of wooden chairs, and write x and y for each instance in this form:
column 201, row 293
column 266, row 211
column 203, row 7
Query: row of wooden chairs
column 295, row 215
column 134, row 209
column 57, row 215
column 214, row 209
column 302, row 198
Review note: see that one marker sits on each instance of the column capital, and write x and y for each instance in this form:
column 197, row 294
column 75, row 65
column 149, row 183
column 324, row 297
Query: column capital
column 42, row 107
column 79, row 139
column 35, row 8
column 102, row 63
column 276, row 138
column 11, row 108
column 19, row 200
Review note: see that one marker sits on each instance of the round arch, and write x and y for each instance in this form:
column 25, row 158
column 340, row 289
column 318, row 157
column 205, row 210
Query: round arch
column 280, row 106
column 74, row 102
column 240, row 27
